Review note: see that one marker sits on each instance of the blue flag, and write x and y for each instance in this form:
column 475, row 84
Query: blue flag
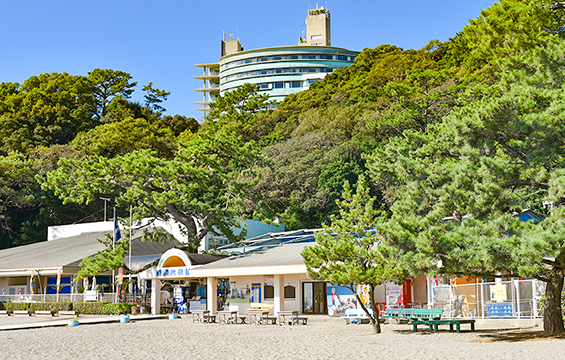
column 117, row 234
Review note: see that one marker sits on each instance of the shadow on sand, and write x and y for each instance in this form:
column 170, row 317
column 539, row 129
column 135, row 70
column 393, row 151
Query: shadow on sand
column 492, row 335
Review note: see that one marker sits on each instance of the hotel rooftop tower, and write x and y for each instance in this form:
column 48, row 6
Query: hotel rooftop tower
column 318, row 28
column 278, row 71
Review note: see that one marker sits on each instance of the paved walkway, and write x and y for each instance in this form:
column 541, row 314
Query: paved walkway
column 82, row 321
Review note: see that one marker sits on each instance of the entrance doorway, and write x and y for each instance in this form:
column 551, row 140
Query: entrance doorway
column 314, row 298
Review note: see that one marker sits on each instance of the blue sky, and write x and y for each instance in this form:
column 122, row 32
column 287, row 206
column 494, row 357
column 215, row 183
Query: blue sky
column 159, row 41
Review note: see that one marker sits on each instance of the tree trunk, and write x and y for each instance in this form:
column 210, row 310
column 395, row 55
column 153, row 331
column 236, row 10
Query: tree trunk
column 552, row 316
column 374, row 323
column 375, row 319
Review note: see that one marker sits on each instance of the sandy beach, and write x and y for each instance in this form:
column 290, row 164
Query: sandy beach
column 322, row 338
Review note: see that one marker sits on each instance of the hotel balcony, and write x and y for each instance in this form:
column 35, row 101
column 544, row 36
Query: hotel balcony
column 213, row 78
column 210, row 89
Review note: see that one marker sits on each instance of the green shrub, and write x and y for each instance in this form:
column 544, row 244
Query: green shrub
column 52, row 306
column 102, row 308
column 2, row 306
column 116, row 309
column 94, row 308
column 16, row 306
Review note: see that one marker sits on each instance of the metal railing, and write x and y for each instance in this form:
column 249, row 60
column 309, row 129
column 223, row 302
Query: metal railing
column 514, row 299
column 141, row 300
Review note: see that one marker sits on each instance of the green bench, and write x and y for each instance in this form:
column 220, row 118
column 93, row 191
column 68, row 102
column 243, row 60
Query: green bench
column 398, row 313
column 434, row 324
column 426, row 314
column 413, row 314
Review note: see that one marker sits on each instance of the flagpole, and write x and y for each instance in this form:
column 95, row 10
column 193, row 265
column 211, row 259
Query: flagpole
column 113, row 247
column 130, row 234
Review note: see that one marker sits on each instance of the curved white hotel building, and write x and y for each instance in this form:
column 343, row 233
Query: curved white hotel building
column 278, row 71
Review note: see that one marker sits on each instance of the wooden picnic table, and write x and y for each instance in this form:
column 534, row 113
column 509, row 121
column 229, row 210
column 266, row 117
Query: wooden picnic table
column 293, row 315
column 434, row 324
column 227, row 316
column 201, row 315
column 261, row 316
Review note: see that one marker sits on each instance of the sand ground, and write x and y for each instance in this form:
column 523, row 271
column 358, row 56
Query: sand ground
column 322, row 338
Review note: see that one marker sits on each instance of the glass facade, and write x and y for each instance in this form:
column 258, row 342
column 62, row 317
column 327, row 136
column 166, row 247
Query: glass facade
column 281, row 71
column 260, row 59
column 297, row 70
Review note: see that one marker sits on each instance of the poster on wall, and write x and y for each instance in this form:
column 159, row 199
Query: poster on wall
column 180, row 303
column 256, row 292
column 340, row 299
column 239, row 291
column 393, row 294
column 498, row 293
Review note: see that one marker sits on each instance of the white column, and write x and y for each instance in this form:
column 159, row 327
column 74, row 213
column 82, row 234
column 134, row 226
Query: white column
column 429, row 284
column 155, row 296
column 212, row 295
column 298, row 294
column 279, row 294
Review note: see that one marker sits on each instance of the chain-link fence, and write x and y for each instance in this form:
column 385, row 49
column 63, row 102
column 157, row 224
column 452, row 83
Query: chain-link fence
column 516, row 299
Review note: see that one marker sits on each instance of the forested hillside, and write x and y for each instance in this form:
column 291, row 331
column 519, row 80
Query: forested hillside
column 313, row 142
column 60, row 116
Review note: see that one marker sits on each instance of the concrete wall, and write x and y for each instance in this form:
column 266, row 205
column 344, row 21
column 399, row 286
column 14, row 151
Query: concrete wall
column 318, row 27
column 65, row 231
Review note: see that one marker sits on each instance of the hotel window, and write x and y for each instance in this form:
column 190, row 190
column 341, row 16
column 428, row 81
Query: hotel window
column 296, row 84
column 316, row 37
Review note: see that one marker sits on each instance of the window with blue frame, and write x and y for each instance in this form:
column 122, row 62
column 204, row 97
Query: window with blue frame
column 65, row 285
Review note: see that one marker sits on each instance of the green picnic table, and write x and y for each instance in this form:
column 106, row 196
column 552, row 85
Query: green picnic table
column 434, row 324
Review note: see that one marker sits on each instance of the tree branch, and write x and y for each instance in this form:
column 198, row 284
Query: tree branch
column 525, row 183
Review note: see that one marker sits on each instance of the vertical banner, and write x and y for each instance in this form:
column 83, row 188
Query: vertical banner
column 452, row 291
column 31, row 281
column 59, row 279
column 120, row 276
column 85, row 283
column 117, row 234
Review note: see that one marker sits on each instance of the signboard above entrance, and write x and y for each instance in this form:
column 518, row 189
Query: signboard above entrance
column 173, row 272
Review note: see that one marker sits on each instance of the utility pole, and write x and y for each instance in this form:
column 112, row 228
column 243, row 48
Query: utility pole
column 105, row 201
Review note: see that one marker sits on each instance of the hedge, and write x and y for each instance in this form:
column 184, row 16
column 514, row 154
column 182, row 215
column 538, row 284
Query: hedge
column 91, row 308
column 52, row 306
column 16, row 306
column 102, row 308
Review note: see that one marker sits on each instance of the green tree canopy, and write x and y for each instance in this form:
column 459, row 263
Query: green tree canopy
column 154, row 97
column 45, row 110
column 354, row 252
column 499, row 154
column 108, row 84
column 202, row 186
column 120, row 138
